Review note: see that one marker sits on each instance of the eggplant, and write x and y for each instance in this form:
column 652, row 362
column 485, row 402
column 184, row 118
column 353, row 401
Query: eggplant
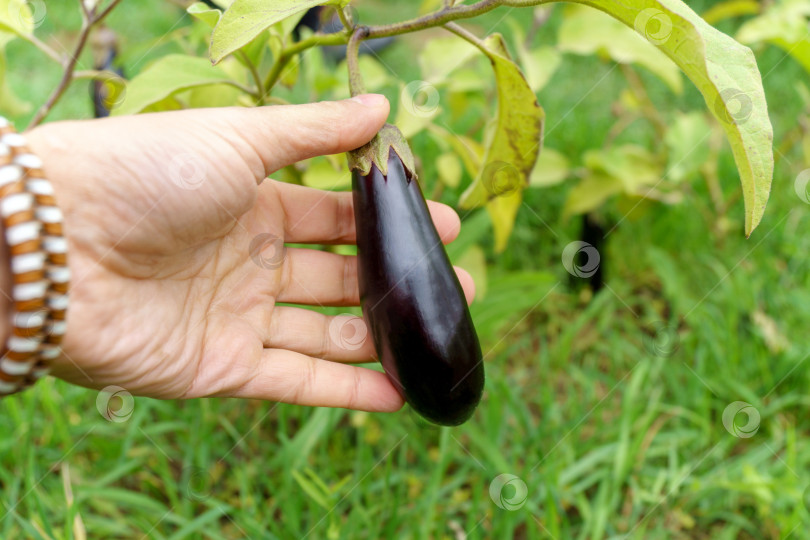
column 410, row 294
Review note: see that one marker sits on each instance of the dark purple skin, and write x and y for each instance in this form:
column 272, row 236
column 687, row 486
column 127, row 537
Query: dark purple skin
column 412, row 299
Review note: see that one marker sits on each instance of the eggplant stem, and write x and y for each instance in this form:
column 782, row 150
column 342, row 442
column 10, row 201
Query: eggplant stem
column 356, row 84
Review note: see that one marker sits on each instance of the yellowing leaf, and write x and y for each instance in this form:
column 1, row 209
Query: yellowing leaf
column 441, row 56
column 540, row 64
column 168, row 76
column 513, row 147
column 634, row 166
column 552, row 168
column 502, row 211
column 246, row 19
column 475, row 262
column 449, row 168
column 726, row 74
column 687, row 140
column 471, row 152
column 784, row 24
column 591, row 192
column 587, row 31
column 729, row 9
column 16, row 18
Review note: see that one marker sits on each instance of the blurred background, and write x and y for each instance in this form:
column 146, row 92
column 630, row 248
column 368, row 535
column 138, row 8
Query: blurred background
column 649, row 382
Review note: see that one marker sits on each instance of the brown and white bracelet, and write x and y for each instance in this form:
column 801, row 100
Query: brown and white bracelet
column 32, row 226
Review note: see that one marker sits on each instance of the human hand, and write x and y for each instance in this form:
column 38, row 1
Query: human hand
column 167, row 300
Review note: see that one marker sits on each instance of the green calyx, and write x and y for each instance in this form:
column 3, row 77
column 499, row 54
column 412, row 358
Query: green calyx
column 377, row 150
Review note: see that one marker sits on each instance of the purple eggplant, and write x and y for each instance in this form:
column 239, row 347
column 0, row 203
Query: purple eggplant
column 411, row 297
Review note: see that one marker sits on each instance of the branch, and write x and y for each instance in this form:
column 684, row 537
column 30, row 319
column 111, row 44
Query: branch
column 447, row 14
column 98, row 74
column 437, row 18
column 89, row 20
column 35, row 41
column 300, row 46
column 101, row 16
column 67, row 77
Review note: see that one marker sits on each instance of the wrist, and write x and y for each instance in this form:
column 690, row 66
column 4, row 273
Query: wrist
column 35, row 265
column 5, row 298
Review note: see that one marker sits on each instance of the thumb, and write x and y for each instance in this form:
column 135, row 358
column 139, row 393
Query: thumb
column 285, row 134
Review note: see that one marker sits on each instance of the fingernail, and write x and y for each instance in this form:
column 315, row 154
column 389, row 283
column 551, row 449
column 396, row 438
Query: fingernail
column 370, row 100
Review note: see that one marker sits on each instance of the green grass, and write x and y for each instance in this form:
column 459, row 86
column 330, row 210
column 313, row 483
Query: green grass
column 612, row 435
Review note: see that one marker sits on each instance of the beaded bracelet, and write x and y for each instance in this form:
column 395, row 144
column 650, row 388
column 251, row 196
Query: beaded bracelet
column 32, row 226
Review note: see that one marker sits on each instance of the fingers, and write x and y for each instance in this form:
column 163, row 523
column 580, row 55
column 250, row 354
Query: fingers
column 342, row 338
column 283, row 135
column 467, row 284
column 319, row 278
column 291, row 377
column 327, row 217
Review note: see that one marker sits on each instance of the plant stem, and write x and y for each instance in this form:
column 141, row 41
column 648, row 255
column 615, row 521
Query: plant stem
column 98, row 74
column 67, row 77
column 101, row 16
column 257, row 80
column 356, row 84
column 298, row 47
column 89, row 20
column 346, row 19
column 437, row 18
column 35, row 41
column 467, row 35
column 647, row 107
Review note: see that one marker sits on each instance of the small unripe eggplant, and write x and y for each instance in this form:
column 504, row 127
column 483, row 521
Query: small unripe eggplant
column 410, row 294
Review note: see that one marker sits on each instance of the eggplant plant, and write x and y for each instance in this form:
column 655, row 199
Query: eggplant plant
column 422, row 329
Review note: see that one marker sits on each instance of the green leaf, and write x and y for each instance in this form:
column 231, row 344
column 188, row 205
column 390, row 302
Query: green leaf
column 312, row 490
column 211, row 95
column 687, row 143
column 513, row 147
column 290, row 74
column 551, row 169
column 16, row 19
column 726, row 74
column 12, row 105
column 246, row 19
column 167, row 76
column 585, row 31
column 375, row 74
column 202, row 12
column 783, row 25
column 323, row 174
